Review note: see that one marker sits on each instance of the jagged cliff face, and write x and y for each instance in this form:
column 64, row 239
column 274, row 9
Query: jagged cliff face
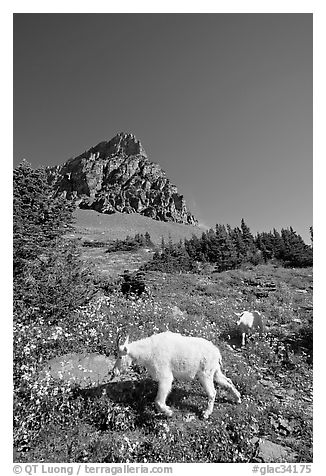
column 117, row 176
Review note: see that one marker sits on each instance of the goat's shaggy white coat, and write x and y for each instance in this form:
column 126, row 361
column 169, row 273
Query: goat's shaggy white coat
column 169, row 355
column 249, row 322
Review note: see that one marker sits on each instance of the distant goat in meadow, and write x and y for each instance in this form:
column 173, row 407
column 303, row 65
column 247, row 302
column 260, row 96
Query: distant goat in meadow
column 249, row 322
column 169, row 355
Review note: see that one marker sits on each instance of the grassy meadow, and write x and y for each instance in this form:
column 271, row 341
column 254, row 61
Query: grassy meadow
column 90, row 224
column 57, row 420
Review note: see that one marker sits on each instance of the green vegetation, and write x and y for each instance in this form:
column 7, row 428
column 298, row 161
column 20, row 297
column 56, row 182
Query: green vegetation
column 131, row 244
column 127, row 244
column 133, row 284
column 50, row 280
column 117, row 422
column 170, row 259
column 228, row 248
column 61, row 307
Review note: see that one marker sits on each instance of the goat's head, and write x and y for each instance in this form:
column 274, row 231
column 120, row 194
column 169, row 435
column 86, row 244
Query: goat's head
column 124, row 360
column 238, row 314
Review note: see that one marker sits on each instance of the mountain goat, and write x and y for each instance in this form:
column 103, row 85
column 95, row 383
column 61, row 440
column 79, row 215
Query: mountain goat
column 248, row 322
column 169, row 355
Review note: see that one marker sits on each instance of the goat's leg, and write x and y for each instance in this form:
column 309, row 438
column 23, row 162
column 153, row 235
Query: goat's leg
column 243, row 339
column 208, row 385
column 164, row 387
column 225, row 382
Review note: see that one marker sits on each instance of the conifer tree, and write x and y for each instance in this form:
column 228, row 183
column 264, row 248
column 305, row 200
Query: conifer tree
column 194, row 248
column 39, row 219
column 264, row 243
column 226, row 255
column 295, row 252
column 148, row 240
column 311, row 235
column 237, row 240
column 248, row 240
column 48, row 275
column 278, row 245
column 162, row 243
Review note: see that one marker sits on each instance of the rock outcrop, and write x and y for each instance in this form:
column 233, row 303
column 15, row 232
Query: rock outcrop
column 84, row 370
column 117, row 176
column 269, row 452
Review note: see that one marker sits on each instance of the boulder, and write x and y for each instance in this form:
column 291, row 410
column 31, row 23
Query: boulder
column 269, row 452
column 84, row 370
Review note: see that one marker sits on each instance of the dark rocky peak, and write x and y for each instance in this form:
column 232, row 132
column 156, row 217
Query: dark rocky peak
column 117, row 176
column 122, row 144
column 125, row 144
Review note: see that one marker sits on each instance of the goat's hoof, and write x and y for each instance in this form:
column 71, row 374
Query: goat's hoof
column 206, row 414
column 165, row 411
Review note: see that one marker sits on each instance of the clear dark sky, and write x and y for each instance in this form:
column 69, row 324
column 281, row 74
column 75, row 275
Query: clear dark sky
column 223, row 102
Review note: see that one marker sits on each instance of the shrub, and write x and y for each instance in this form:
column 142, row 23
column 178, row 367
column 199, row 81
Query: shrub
column 133, row 284
column 129, row 243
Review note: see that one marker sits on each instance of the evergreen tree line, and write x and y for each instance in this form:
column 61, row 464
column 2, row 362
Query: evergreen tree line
column 229, row 248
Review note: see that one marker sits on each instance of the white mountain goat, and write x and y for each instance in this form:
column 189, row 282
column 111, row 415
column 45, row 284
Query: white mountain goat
column 167, row 356
column 249, row 322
